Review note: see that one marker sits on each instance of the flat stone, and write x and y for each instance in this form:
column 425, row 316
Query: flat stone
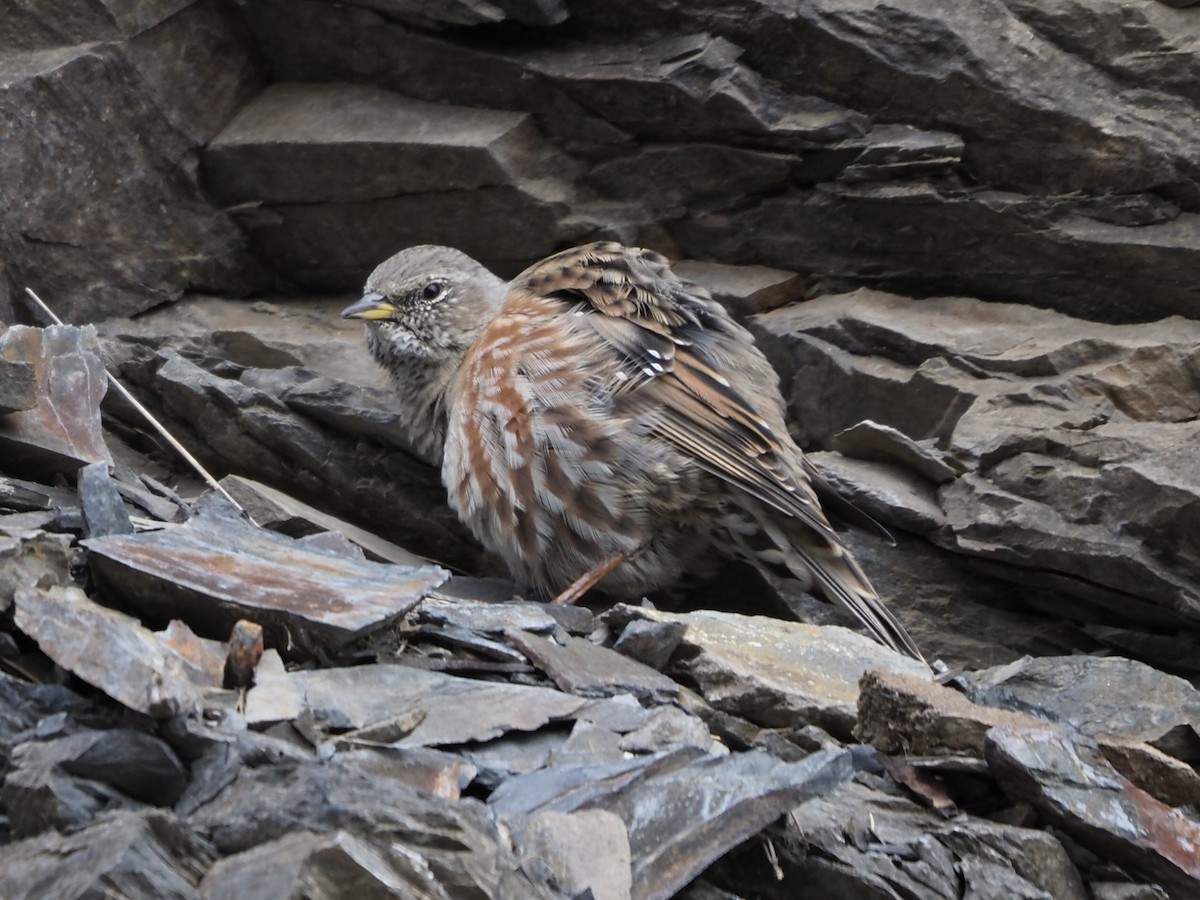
column 1104, row 697
column 605, row 869
column 103, row 511
column 743, row 290
column 276, row 510
column 1079, row 792
column 317, row 866
column 872, row 441
column 215, row 569
column 590, row 670
column 147, row 854
column 778, row 674
column 309, row 143
column 457, row 710
column 30, row 559
column 108, row 649
column 18, row 386
column 62, row 431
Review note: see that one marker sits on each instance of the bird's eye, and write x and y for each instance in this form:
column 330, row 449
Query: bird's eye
column 433, row 290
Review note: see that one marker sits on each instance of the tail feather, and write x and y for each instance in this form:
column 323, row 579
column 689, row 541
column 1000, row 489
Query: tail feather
column 823, row 566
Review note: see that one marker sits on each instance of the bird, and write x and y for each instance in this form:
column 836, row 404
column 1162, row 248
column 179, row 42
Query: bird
column 602, row 423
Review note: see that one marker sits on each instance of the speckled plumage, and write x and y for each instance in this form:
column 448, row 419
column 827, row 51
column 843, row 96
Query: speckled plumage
column 597, row 405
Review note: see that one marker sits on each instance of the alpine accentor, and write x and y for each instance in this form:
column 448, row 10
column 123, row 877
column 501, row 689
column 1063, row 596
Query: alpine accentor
column 601, row 420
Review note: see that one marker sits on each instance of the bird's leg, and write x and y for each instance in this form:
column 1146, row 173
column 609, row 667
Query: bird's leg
column 589, row 579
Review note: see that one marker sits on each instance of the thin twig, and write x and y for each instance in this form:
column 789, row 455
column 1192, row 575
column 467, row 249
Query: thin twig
column 154, row 423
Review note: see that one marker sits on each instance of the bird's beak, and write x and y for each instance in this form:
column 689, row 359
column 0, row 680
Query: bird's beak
column 371, row 306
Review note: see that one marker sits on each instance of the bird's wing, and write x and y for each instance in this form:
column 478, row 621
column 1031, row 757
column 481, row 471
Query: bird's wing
column 675, row 345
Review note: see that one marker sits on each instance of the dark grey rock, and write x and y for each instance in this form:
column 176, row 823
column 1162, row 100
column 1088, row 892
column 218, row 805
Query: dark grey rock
column 1073, row 786
column 651, row 643
column 108, row 649
column 215, row 569
column 67, row 781
column 774, row 673
column 144, row 855
column 320, row 866
column 1103, row 698
column 117, row 106
column 1073, row 466
column 103, row 511
column 589, row 670
column 858, row 841
column 461, row 845
column 18, row 386
column 62, row 431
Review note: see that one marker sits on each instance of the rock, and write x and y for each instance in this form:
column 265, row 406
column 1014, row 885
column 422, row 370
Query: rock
column 428, row 164
column 67, row 781
column 385, row 489
column 102, row 103
column 103, row 511
column 303, row 143
column 437, row 844
column 216, row 569
column 860, row 841
column 743, row 290
column 107, row 649
column 1067, row 431
column 683, row 813
column 320, row 866
column 28, row 496
column 23, row 705
column 1114, row 698
column 143, row 855
column 62, row 431
column 588, row 670
column 1080, row 793
column 877, row 234
column 650, row 642
column 776, row 674
column 276, row 510
column 901, row 714
column 457, row 710
column 555, row 838
column 673, row 180
column 18, row 387
column 32, row 559
column 1123, row 890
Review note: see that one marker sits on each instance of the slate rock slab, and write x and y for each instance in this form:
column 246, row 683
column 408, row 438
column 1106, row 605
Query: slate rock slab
column 62, row 431
column 1105, row 697
column 455, row 844
column 309, row 865
column 107, row 649
column 143, row 855
column 456, row 710
column 216, row 569
column 862, row 841
column 1077, row 790
column 774, row 673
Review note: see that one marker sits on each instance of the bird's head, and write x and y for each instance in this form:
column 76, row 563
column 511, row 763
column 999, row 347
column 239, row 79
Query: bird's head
column 427, row 303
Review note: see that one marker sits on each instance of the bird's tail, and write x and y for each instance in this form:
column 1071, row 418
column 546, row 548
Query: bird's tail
column 822, row 564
